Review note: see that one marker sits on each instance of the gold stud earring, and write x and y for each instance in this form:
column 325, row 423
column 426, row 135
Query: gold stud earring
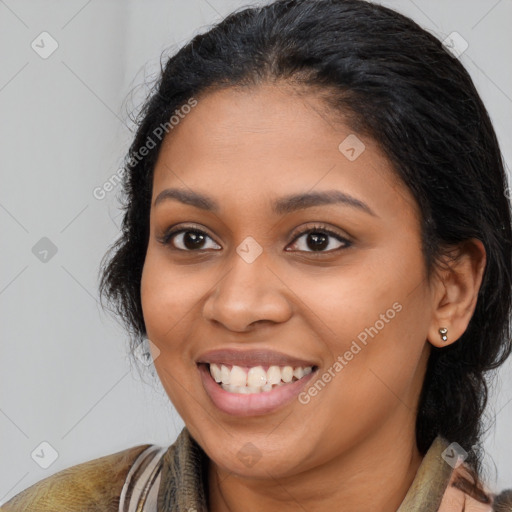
column 443, row 332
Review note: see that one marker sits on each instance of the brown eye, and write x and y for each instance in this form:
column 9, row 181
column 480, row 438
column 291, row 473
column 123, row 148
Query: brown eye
column 188, row 240
column 319, row 239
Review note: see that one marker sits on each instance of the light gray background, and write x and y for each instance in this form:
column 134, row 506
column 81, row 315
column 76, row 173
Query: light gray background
column 66, row 377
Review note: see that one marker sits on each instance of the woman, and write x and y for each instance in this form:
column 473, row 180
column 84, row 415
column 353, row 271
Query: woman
column 317, row 243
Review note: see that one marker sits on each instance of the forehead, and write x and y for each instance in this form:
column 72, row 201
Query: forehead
column 270, row 139
column 230, row 121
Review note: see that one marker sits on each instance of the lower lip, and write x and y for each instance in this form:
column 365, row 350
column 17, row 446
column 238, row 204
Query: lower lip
column 252, row 404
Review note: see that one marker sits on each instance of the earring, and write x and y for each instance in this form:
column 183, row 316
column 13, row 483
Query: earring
column 443, row 332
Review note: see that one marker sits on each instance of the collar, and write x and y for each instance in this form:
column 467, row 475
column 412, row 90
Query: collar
column 184, row 480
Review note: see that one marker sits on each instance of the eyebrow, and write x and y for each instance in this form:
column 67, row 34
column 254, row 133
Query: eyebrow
column 281, row 206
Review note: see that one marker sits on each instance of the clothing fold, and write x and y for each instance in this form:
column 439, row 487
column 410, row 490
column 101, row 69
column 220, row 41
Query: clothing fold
column 152, row 478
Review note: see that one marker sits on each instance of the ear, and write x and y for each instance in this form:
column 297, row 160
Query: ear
column 456, row 287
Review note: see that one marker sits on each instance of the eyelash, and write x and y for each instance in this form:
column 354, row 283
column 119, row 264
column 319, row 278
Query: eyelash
column 166, row 238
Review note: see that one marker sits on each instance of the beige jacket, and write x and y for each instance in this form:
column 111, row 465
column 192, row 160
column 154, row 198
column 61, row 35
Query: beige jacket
column 150, row 478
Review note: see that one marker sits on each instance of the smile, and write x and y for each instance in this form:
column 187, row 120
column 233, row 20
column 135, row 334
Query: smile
column 256, row 379
column 253, row 391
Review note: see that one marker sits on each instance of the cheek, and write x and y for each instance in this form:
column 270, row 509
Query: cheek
column 374, row 317
column 169, row 300
column 368, row 297
column 168, row 294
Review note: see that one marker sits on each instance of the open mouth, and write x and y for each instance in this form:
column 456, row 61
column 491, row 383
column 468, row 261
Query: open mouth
column 256, row 379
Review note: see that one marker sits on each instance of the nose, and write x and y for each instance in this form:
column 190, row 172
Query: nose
column 248, row 293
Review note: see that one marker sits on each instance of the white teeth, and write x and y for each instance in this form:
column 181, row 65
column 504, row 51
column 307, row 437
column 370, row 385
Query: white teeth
column 287, row 374
column 298, row 373
column 225, row 373
column 238, row 376
column 257, row 377
column 274, row 375
column 216, row 372
column 256, row 380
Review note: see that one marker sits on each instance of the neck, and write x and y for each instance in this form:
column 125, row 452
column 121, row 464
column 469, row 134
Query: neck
column 379, row 483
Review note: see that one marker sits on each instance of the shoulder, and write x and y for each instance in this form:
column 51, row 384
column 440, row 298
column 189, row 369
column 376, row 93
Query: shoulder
column 461, row 495
column 95, row 485
column 503, row 501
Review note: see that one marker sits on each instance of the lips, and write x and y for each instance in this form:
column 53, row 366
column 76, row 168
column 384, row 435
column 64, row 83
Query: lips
column 252, row 404
column 242, row 398
column 252, row 358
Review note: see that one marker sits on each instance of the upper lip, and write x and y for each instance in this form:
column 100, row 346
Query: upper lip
column 253, row 357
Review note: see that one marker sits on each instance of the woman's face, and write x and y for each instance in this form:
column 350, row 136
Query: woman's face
column 242, row 284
